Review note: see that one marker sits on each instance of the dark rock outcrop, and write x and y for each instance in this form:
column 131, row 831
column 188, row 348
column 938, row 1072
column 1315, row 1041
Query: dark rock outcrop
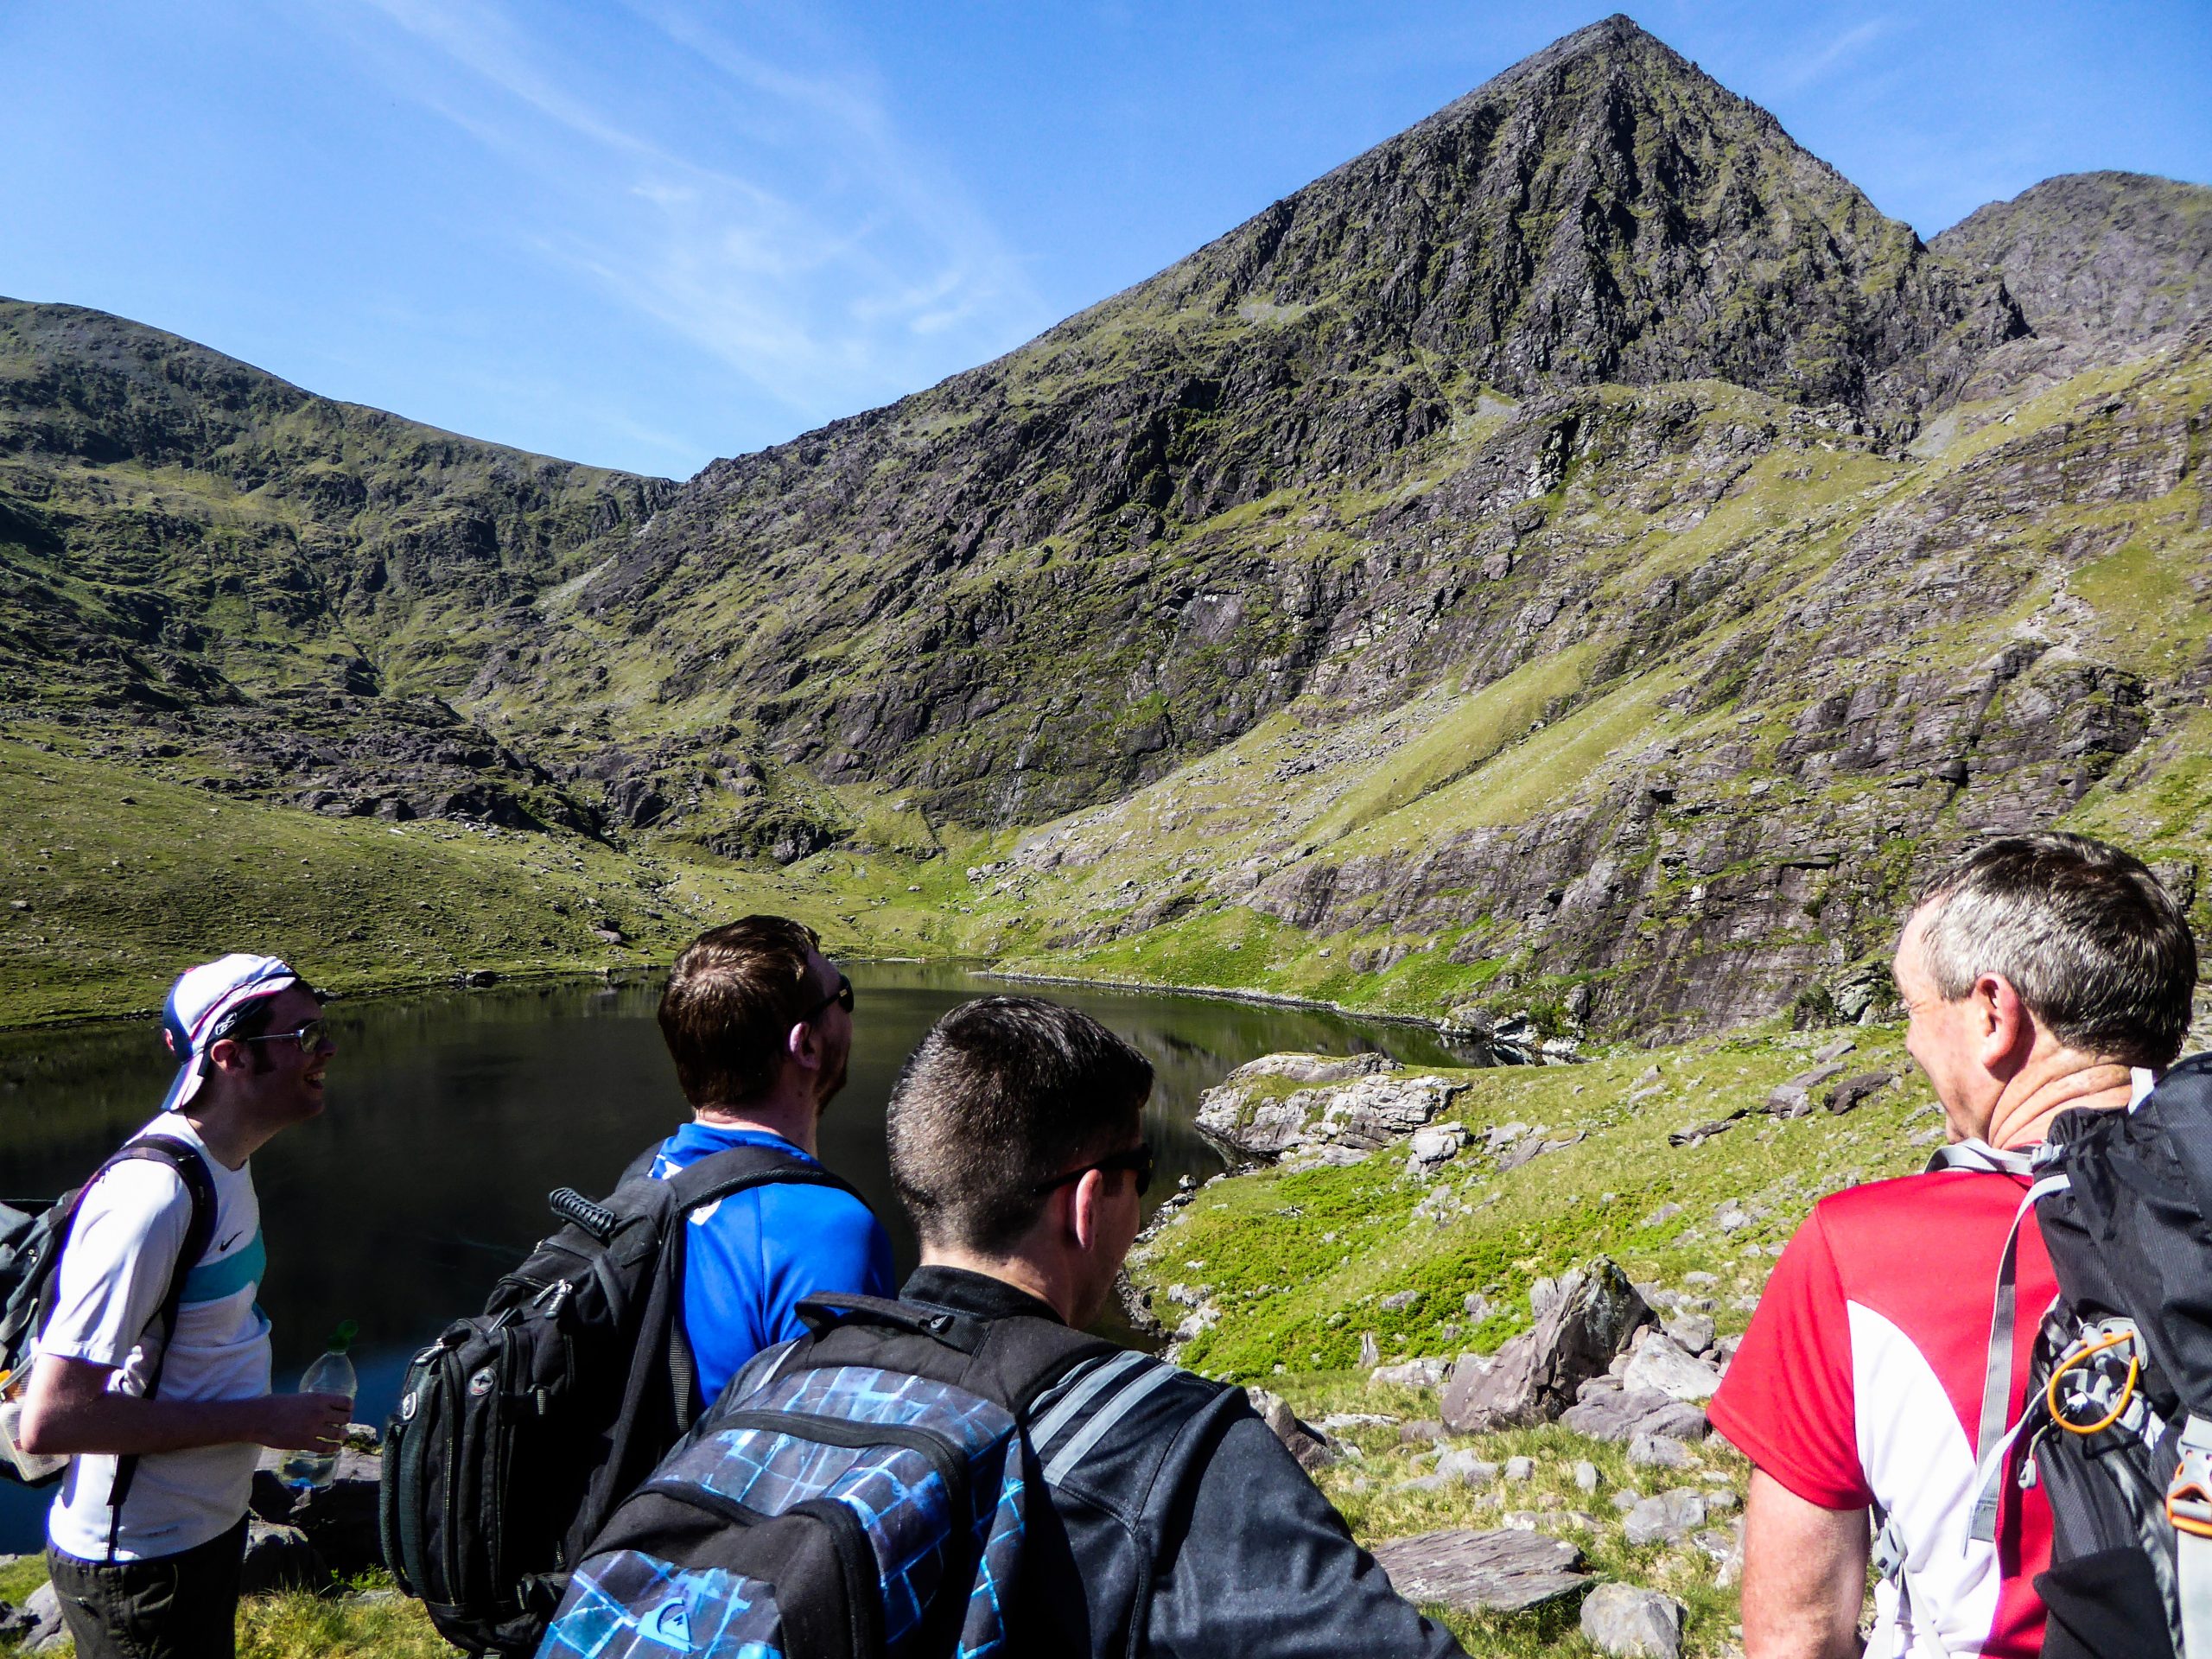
column 1533, row 1378
column 335, row 1523
column 1305, row 1443
column 1352, row 1106
column 280, row 1558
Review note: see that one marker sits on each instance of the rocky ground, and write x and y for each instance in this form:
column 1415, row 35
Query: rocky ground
column 1485, row 1305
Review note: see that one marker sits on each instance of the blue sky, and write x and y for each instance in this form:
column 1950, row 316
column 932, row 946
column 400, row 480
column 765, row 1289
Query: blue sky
column 647, row 233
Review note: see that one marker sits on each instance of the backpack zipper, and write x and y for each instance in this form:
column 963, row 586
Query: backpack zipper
column 456, row 1389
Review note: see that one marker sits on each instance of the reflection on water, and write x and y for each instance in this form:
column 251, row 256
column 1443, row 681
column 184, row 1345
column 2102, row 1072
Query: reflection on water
column 451, row 1114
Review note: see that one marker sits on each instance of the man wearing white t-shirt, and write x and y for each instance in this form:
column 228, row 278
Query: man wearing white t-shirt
column 144, row 1542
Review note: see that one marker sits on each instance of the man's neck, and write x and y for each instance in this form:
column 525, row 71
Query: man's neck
column 1023, row 1275
column 230, row 1135
column 2051, row 1085
column 787, row 1117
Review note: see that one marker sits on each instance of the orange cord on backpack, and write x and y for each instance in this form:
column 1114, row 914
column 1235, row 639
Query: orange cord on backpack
column 2127, row 1392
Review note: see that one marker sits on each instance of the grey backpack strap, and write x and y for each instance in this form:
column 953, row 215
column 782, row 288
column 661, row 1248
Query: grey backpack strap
column 1079, row 1412
column 2188, row 1507
column 1978, row 1157
column 1888, row 1558
column 1992, row 1438
column 192, row 1169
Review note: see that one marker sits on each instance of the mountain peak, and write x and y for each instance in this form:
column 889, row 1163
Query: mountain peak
column 1617, row 37
column 1603, row 210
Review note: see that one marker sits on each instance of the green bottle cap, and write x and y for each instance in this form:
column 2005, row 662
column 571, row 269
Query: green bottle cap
column 343, row 1336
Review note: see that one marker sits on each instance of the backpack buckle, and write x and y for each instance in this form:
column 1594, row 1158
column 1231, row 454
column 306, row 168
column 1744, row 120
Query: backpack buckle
column 2188, row 1498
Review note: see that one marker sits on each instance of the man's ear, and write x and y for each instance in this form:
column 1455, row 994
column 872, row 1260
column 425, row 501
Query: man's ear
column 1086, row 1200
column 2007, row 1029
column 803, row 1046
column 226, row 1054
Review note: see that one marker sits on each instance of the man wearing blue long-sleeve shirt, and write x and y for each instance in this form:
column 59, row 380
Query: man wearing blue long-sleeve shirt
column 759, row 1026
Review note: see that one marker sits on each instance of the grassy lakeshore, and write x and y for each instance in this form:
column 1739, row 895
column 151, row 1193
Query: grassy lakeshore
column 111, row 881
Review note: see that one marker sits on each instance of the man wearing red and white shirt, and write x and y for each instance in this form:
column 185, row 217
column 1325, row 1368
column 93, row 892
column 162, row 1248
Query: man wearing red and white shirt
column 2040, row 973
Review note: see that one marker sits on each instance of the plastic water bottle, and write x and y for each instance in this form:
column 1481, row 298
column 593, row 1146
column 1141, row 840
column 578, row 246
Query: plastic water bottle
column 332, row 1374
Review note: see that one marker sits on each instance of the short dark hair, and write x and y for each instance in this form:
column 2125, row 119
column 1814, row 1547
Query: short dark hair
column 2100, row 952
column 732, row 999
column 1003, row 1095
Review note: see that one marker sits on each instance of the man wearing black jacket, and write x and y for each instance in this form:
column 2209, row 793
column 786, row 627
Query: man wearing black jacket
column 1174, row 1521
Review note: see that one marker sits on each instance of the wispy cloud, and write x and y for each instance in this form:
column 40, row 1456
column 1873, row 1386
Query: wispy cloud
column 784, row 224
column 1796, row 72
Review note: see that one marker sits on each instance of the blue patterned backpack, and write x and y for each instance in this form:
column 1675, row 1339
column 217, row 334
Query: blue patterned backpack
column 863, row 1491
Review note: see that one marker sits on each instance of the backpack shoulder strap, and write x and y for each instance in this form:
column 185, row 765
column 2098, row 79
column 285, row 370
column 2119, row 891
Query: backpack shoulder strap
column 712, row 1178
column 192, row 1169
column 720, row 1174
column 1993, row 1439
column 1031, row 1356
column 1012, row 1359
column 1980, row 1158
column 1086, row 1398
column 199, row 1185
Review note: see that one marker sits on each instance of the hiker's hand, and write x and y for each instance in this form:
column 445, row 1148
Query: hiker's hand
column 304, row 1422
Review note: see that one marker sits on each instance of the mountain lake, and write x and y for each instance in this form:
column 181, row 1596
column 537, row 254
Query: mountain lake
column 451, row 1113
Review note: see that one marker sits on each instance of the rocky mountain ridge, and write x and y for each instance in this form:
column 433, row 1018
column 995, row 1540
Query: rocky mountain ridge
column 211, row 568
column 1602, row 212
column 1578, row 557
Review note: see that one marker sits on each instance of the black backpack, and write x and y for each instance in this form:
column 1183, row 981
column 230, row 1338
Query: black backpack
column 2117, row 1427
column 34, row 1234
column 520, row 1429
column 864, row 1490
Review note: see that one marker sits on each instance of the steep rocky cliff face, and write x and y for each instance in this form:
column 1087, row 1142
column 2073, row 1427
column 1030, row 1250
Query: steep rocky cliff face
column 1707, row 719
column 2114, row 255
column 2103, row 266
column 1578, row 557
column 911, row 584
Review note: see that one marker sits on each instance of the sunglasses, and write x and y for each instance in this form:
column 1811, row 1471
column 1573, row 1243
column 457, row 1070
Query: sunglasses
column 842, row 996
column 310, row 1037
column 1137, row 1158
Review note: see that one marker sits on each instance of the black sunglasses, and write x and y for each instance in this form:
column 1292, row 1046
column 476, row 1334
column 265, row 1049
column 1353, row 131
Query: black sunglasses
column 842, row 996
column 309, row 1037
column 1137, row 1158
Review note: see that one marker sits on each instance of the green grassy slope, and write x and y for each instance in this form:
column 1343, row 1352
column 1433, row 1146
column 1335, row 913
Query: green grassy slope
column 1297, row 1267
column 1383, row 852
column 1301, row 1262
column 110, row 882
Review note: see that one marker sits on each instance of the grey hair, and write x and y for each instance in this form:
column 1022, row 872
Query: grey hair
column 2099, row 951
